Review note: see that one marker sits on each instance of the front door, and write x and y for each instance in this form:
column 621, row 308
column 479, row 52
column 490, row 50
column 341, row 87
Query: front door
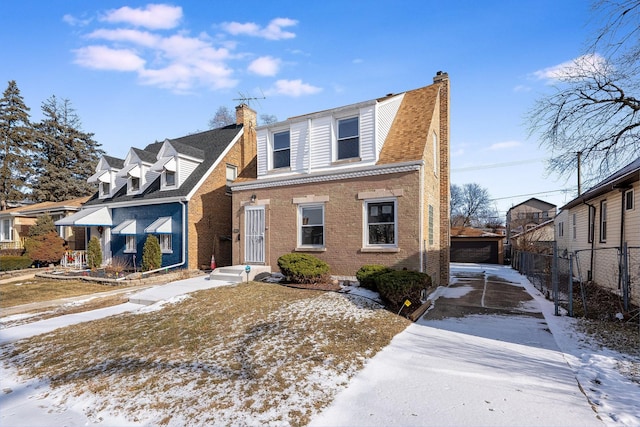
column 254, row 226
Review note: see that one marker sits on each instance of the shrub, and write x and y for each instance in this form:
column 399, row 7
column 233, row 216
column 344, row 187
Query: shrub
column 151, row 254
column 94, row 253
column 117, row 266
column 398, row 286
column 45, row 248
column 303, row 268
column 367, row 274
column 8, row 263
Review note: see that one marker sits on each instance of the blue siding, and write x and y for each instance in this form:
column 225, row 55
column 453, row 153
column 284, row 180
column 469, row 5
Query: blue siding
column 144, row 216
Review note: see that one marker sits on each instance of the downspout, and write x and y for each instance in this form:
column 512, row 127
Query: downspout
column 622, row 191
column 421, row 222
column 184, row 244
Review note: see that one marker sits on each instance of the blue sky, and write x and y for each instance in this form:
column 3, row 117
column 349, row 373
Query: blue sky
column 137, row 72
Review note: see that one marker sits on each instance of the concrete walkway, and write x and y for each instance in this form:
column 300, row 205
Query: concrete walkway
column 138, row 300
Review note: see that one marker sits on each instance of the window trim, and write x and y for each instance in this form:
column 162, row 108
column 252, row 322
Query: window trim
column 339, row 139
column 591, row 226
column 167, row 186
column 603, row 221
column 6, row 232
column 574, row 226
column 365, row 222
column 105, row 194
column 274, row 150
column 301, row 226
column 561, row 229
column 130, row 188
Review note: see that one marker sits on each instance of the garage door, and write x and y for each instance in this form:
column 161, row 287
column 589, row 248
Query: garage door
column 479, row 252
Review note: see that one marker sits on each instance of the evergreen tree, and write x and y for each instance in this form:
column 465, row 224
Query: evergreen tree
column 151, row 254
column 44, row 224
column 94, row 253
column 16, row 136
column 65, row 156
column 44, row 245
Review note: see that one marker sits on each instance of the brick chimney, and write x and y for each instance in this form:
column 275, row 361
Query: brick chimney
column 247, row 117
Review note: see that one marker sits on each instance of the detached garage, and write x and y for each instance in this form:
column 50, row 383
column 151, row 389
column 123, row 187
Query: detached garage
column 470, row 244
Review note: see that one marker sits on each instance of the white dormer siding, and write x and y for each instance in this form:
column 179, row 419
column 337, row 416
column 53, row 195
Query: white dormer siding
column 107, row 179
column 314, row 138
column 173, row 166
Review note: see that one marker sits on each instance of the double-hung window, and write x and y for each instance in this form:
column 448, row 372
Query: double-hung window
column 169, row 178
column 628, row 200
column 105, row 189
column 130, row 243
column 574, row 226
column 348, row 138
column 311, row 230
column 134, row 184
column 165, row 243
column 592, row 222
column 603, row 221
column 281, row 150
column 381, row 228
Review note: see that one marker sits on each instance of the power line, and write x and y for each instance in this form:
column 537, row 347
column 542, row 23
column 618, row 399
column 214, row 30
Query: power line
column 497, row 165
column 564, row 190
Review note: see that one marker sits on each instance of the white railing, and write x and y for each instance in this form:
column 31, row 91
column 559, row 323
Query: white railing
column 74, row 259
column 17, row 244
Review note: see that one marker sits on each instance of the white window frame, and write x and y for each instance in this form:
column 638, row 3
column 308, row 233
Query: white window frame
column 231, row 173
column 302, row 225
column 165, row 183
column 6, row 230
column 130, row 188
column 574, row 226
column 340, row 139
column 561, row 229
column 365, row 223
column 130, row 244
column 166, row 244
column 103, row 193
column 629, row 202
column 273, row 149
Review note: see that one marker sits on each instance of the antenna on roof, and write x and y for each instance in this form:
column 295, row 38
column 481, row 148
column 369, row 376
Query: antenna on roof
column 246, row 98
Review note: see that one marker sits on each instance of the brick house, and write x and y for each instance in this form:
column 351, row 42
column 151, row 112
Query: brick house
column 366, row 183
column 177, row 190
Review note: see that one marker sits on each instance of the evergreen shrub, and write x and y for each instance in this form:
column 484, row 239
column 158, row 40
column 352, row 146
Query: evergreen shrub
column 398, row 286
column 367, row 274
column 303, row 268
column 94, row 253
column 151, row 254
column 9, row 263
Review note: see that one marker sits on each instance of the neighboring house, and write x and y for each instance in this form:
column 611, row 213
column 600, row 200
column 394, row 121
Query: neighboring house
column 176, row 190
column 527, row 215
column 366, row 183
column 596, row 226
column 15, row 223
column 470, row 244
column 538, row 239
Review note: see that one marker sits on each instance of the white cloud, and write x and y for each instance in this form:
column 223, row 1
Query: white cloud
column 153, row 16
column 522, row 88
column 142, row 38
column 76, row 22
column 294, row 88
column 106, row 58
column 504, row 145
column 574, row 69
column 273, row 31
column 265, row 66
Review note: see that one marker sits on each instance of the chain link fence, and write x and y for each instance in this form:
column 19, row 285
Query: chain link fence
column 580, row 277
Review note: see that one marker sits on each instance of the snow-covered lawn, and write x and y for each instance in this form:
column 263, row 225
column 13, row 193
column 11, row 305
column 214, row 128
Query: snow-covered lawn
column 286, row 363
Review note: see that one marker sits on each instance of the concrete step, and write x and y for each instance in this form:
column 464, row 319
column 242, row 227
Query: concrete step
column 237, row 273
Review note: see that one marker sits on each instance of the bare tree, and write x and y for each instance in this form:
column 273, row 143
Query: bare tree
column 267, row 119
column 470, row 205
column 222, row 118
column 595, row 108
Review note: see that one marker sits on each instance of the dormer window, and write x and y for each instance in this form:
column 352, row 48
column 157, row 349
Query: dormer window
column 134, row 184
column 105, row 189
column 169, row 178
column 348, row 138
column 281, row 150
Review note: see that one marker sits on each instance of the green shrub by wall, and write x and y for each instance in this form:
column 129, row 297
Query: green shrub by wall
column 367, row 274
column 303, row 268
column 398, row 286
column 9, row 263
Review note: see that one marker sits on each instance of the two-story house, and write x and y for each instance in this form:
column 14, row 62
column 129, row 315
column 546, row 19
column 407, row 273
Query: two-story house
column 527, row 215
column 596, row 228
column 366, row 183
column 176, row 190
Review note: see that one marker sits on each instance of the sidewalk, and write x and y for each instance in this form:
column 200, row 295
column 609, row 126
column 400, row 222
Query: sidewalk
column 137, row 301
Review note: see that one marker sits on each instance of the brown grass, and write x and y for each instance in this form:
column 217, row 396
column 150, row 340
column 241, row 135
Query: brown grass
column 40, row 289
column 228, row 354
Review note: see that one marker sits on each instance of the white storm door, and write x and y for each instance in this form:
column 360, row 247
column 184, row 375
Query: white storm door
column 254, row 226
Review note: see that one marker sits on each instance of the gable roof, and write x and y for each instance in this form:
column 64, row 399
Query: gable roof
column 409, row 133
column 620, row 179
column 208, row 145
column 44, row 207
column 534, row 200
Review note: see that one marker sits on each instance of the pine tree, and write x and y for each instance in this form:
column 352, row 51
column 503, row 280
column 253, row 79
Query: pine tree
column 65, row 156
column 44, row 245
column 16, row 136
column 151, row 254
column 94, row 253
